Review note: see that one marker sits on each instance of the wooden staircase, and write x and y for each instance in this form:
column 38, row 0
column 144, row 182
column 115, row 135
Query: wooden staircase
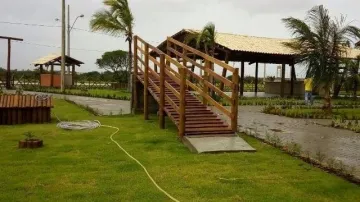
column 170, row 88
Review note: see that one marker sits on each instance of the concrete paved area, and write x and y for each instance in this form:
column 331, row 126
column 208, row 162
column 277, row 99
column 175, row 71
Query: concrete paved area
column 314, row 136
column 100, row 105
column 211, row 144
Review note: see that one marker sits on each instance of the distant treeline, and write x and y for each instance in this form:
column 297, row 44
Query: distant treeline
column 107, row 76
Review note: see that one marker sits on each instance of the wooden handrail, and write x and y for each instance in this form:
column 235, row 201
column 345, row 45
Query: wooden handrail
column 203, row 55
column 176, row 71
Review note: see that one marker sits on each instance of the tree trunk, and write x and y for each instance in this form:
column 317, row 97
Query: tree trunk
column 327, row 100
column 130, row 67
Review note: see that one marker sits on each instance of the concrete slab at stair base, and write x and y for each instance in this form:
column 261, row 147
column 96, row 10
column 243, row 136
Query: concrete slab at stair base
column 217, row 144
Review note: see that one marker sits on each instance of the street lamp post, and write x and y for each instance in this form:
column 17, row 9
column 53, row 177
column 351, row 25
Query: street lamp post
column 69, row 31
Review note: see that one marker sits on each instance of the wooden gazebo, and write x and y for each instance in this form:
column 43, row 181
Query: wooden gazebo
column 52, row 79
column 254, row 50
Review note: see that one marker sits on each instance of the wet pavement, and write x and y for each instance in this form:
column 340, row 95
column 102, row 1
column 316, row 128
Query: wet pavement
column 313, row 135
column 100, row 105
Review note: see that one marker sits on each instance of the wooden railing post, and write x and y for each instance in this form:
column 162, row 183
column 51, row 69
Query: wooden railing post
column 162, row 92
column 146, row 83
column 182, row 102
column 134, row 93
column 235, row 100
column 206, row 78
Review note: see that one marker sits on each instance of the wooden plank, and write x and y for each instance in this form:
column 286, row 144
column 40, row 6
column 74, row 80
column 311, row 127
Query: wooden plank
column 209, row 99
column 242, row 78
column 176, row 63
column 141, row 61
column 157, row 89
column 256, row 77
column 222, row 79
column 172, row 89
column 162, row 92
column 146, row 83
column 186, row 58
column 282, row 85
column 218, row 91
column 154, row 61
column 172, row 103
column 235, row 101
column 224, row 70
column 203, row 55
column 172, row 76
column 182, row 103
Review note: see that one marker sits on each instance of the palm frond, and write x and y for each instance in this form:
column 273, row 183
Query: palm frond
column 105, row 22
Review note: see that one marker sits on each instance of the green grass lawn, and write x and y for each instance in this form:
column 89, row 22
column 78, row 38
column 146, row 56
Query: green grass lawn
column 87, row 166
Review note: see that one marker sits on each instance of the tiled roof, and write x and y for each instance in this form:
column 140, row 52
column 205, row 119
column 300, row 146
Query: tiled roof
column 24, row 101
column 264, row 45
column 52, row 58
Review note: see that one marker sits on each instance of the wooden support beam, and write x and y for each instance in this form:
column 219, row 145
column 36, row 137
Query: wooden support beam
column 256, row 77
column 52, row 76
column 162, row 92
column 40, row 72
column 282, row 86
column 293, row 77
column 242, row 78
column 235, row 98
column 146, row 83
column 134, row 93
column 73, row 74
column 8, row 72
column 182, row 102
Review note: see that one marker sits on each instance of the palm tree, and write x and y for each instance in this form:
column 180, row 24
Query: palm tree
column 319, row 42
column 117, row 20
column 205, row 39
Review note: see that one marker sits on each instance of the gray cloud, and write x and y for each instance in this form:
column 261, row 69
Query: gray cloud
column 155, row 19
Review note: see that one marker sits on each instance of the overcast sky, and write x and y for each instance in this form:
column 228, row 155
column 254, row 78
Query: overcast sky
column 154, row 20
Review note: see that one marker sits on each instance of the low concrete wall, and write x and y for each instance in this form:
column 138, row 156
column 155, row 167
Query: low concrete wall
column 274, row 87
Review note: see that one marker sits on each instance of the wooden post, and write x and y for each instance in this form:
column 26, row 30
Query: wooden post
column 282, row 86
column 134, row 94
column 206, row 78
column 146, row 83
column 292, row 79
column 8, row 72
column 168, row 45
column 73, row 74
column 40, row 72
column 224, row 71
column 182, row 102
column 235, row 100
column 155, row 67
column 242, row 78
column 162, row 92
column 52, row 75
column 256, row 77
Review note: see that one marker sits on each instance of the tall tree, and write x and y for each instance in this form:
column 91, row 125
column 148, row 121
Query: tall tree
column 116, row 20
column 116, row 62
column 319, row 42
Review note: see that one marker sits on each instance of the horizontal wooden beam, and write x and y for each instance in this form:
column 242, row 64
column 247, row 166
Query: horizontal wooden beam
column 11, row 38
